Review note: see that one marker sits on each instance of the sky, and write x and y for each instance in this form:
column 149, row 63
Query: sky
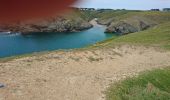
column 124, row 4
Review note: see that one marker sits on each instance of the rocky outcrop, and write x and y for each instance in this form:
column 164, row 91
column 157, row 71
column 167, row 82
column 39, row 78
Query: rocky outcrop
column 56, row 25
column 129, row 26
column 121, row 28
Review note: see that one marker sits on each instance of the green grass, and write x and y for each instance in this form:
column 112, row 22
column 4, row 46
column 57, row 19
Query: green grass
column 158, row 17
column 158, row 36
column 152, row 85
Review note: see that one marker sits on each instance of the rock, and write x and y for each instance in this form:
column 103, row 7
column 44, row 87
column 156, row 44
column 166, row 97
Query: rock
column 143, row 25
column 129, row 26
column 2, row 85
column 121, row 28
column 58, row 25
column 84, row 26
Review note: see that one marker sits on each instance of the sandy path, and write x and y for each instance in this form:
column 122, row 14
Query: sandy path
column 94, row 23
column 75, row 75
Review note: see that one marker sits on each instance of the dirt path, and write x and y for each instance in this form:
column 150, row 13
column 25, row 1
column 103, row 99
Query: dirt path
column 75, row 75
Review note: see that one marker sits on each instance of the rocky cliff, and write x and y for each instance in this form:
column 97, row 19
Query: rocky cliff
column 71, row 22
column 129, row 25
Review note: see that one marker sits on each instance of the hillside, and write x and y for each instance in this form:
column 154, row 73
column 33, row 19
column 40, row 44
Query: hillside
column 124, row 22
column 157, row 36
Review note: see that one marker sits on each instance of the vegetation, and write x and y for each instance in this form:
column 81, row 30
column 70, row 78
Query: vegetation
column 117, row 15
column 85, row 15
column 92, row 59
column 152, row 85
column 156, row 36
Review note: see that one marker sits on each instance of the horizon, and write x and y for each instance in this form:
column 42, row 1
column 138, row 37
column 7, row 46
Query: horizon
column 126, row 4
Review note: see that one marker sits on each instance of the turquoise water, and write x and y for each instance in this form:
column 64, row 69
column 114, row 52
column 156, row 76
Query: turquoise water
column 17, row 44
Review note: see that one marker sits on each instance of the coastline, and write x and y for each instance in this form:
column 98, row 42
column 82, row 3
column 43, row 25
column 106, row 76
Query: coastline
column 92, row 22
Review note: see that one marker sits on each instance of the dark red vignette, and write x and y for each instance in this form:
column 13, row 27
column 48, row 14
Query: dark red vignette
column 21, row 10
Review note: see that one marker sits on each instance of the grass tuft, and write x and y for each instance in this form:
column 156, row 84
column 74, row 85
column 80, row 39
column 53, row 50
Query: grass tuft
column 152, row 85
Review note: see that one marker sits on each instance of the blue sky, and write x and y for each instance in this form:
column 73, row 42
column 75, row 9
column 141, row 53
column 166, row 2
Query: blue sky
column 127, row 4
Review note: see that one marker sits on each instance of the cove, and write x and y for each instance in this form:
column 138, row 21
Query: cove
column 17, row 44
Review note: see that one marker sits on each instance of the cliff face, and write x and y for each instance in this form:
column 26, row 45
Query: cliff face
column 129, row 25
column 71, row 22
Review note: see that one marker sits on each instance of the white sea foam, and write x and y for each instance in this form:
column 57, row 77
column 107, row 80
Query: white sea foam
column 9, row 33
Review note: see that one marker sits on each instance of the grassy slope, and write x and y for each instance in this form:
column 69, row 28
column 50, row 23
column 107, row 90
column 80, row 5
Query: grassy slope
column 85, row 15
column 104, row 16
column 156, row 36
column 122, row 15
column 153, row 85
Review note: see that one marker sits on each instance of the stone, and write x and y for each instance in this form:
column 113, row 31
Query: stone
column 2, row 85
column 121, row 28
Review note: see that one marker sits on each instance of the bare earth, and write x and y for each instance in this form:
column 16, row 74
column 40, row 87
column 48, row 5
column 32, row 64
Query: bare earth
column 75, row 75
